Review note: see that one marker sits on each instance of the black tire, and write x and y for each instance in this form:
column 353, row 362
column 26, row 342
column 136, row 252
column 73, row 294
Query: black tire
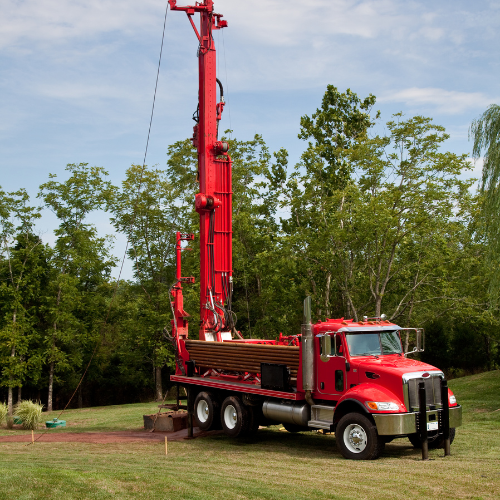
column 434, row 440
column 234, row 417
column 357, row 438
column 207, row 411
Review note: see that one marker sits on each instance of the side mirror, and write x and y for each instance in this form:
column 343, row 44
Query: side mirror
column 419, row 340
column 326, row 347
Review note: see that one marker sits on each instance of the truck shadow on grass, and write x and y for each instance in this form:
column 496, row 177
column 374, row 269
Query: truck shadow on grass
column 302, row 444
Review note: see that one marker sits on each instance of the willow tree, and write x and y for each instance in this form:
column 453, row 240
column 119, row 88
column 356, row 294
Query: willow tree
column 485, row 131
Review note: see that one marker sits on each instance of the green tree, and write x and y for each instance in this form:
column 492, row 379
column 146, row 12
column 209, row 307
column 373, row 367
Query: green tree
column 20, row 278
column 342, row 120
column 313, row 194
column 384, row 232
column 485, row 132
column 81, row 262
column 148, row 209
column 409, row 211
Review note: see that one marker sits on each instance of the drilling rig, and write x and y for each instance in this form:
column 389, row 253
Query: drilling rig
column 214, row 201
column 350, row 378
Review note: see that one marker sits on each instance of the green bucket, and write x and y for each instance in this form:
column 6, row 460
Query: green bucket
column 51, row 424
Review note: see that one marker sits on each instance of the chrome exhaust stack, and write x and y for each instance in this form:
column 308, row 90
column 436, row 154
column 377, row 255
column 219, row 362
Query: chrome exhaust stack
column 307, row 352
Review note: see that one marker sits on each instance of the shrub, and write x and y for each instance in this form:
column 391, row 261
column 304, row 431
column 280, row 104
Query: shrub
column 30, row 413
column 3, row 412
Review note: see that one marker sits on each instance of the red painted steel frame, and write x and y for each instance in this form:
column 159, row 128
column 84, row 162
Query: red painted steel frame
column 214, row 201
column 235, row 386
column 180, row 323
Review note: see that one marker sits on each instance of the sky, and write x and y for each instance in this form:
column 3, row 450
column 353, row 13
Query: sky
column 77, row 77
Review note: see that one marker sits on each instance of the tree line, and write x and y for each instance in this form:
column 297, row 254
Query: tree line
column 364, row 223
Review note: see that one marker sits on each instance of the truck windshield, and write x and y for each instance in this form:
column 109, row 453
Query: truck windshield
column 373, row 343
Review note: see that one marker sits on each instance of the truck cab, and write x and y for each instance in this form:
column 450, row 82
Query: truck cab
column 365, row 382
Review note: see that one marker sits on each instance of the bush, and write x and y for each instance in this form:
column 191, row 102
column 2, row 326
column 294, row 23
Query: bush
column 3, row 412
column 30, row 413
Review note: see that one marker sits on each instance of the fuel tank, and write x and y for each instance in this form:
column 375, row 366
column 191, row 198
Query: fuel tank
column 287, row 412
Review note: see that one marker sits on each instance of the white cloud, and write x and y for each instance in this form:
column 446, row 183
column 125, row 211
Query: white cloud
column 439, row 100
column 265, row 22
column 48, row 21
column 276, row 22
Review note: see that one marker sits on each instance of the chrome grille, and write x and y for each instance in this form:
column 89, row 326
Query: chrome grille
column 432, row 389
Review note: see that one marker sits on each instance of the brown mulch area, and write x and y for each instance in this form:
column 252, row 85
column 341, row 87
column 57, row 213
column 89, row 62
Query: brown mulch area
column 105, row 437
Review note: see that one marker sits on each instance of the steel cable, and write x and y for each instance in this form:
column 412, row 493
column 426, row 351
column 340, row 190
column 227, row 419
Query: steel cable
column 128, row 238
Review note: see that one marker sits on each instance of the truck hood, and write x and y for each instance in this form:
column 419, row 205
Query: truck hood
column 389, row 364
column 387, row 373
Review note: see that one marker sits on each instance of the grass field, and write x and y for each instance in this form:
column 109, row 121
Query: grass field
column 275, row 465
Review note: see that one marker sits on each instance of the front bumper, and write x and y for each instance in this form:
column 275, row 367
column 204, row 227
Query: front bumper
column 397, row 424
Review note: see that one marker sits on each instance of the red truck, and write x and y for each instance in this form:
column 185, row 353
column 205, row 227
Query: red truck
column 350, row 378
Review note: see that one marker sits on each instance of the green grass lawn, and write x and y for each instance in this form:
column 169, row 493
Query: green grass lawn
column 98, row 419
column 275, row 465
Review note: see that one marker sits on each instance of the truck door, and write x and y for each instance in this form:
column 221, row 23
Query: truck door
column 331, row 371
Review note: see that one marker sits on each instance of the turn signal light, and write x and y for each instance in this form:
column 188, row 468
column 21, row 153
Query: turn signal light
column 382, row 406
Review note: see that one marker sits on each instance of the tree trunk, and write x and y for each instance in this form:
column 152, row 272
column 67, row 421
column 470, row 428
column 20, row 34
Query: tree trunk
column 327, row 294
column 52, row 363
column 9, row 400
column 10, row 396
column 378, row 306
column 19, row 394
column 159, row 389
column 51, row 386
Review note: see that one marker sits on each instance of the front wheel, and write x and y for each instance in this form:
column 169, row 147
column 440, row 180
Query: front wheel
column 357, row 438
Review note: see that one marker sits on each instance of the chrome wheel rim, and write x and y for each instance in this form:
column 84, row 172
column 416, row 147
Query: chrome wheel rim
column 202, row 411
column 355, row 438
column 230, row 417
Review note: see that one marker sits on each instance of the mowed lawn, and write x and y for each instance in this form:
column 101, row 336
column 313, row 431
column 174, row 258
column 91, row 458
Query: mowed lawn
column 274, row 465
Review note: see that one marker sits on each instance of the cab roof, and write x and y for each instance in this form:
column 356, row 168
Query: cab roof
column 348, row 325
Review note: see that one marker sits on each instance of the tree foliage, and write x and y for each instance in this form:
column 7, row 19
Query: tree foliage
column 365, row 223
column 485, row 132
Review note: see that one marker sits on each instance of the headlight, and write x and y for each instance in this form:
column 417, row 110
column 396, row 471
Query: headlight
column 382, row 406
column 453, row 400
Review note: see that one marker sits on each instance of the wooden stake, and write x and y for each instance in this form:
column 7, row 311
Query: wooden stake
column 33, row 437
column 166, row 449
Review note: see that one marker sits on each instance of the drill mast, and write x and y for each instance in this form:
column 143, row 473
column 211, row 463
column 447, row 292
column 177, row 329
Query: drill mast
column 214, row 200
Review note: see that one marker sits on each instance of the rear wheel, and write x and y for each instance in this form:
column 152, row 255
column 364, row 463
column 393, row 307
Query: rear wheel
column 206, row 411
column 357, row 438
column 434, row 440
column 234, row 417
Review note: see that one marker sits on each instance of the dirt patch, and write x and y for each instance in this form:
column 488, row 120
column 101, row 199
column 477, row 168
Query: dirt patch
column 104, row 437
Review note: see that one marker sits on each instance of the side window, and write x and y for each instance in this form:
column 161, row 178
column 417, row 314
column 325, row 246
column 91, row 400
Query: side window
column 340, row 349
